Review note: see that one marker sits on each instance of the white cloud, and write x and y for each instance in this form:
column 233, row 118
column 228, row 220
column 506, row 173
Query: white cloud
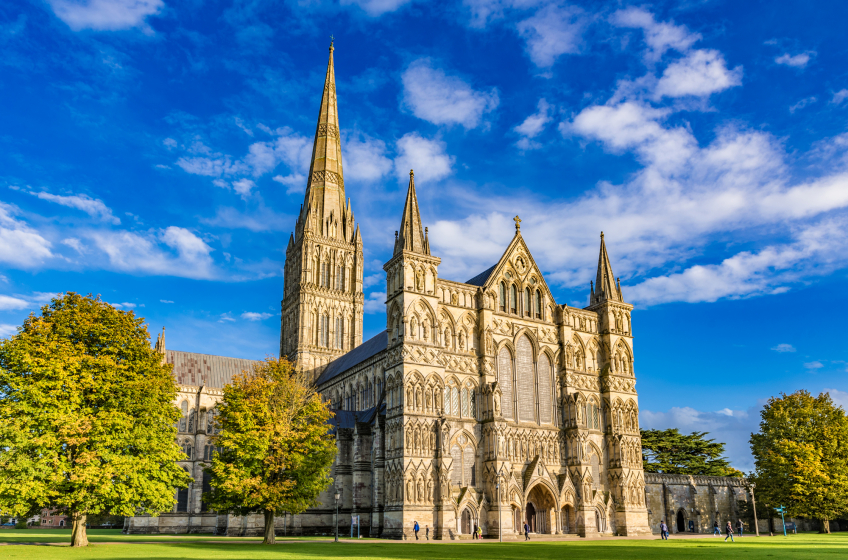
column 814, row 365
column 551, row 32
column 700, row 73
column 165, row 301
column 253, row 316
column 258, row 219
column 427, row 157
column 533, row 126
column 124, row 305
column 783, row 347
column 294, row 183
column 803, row 103
column 9, row 302
column 105, row 15
column 142, row 253
column 364, row 158
column 839, row 96
column 243, row 187
column 435, row 97
column 226, row 318
column 840, row 398
column 375, row 303
column 20, row 245
column 659, row 36
column 376, row 8
column 731, row 427
column 7, row 330
column 91, row 206
column 796, row 61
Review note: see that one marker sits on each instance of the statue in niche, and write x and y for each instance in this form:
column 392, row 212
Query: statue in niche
column 462, row 340
column 454, row 299
column 426, row 332
column 497, row 404
column 429, row 399
column 430, row 491
column 420, row 491
column 410, row 491
column 437, row 397
column 490, row 343
column 419, row 281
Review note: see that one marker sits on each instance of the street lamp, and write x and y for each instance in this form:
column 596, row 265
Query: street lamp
column 337, row 496
column 754, row 503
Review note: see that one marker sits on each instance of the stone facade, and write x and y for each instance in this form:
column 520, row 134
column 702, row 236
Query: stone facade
column 483, row 402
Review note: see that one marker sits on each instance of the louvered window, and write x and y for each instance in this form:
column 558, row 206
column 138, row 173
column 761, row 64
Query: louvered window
column 526, row 380
column 505, row 382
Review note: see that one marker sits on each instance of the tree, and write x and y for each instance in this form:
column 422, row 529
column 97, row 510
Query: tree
column 670, row 452
column 801, row 456
column 274, row 454
column 87, row 420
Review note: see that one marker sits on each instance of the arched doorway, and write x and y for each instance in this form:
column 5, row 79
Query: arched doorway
column 530, row 517
column 465, row 527
column 568, row 520
column 681, row 522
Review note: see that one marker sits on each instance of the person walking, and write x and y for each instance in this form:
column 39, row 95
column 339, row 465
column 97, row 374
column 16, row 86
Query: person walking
column 479, row 532
column 427, row 532
column 526, row 531
column 716, row 530
column 664, row 530
column 474, row 532
column 729, row 530
column 416, row 528
column 739, row 527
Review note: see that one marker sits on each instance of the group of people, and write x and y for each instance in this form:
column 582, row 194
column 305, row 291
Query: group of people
column 477, row 533
column 728, row 529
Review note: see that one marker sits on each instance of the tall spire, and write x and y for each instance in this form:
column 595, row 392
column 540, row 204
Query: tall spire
column 325, row 195
column 411, row 234
column 605, row 288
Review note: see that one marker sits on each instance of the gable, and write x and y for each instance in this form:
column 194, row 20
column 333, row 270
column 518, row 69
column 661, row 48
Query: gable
column 517, row 266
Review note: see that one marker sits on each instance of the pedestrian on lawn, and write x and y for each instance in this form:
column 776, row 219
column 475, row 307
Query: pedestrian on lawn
column 416, row 528
column 716, row 530
column 664, row 530
column 474, row 532
column 739, row 527
column 479, row 532
column 526, row 532
column 729, row 530
column 427, row 532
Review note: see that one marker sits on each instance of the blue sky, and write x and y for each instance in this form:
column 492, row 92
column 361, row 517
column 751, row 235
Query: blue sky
column 155, row 152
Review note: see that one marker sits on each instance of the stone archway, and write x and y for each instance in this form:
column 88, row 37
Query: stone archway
column 681, row 522
column 530, row 517
column 465, row 527
column 544, row 509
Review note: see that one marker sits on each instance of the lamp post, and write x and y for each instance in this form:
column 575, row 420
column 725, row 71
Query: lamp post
column 754, row 503
column 500, row 526
column 337, row 496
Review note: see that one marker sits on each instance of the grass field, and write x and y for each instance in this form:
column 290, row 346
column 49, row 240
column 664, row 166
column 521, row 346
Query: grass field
column 111, row 545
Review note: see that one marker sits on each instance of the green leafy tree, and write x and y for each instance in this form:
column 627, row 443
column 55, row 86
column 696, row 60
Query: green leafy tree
column 274, row 454
column 670, row 452
column 86, row 416
column 801, row 456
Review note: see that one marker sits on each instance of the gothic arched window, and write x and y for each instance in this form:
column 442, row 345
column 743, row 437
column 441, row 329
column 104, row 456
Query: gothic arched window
column 513, row 299
column 538, row 304
column 527, row 308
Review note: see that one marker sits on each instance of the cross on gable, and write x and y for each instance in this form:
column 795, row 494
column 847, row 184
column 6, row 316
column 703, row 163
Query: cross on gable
column 517, row 221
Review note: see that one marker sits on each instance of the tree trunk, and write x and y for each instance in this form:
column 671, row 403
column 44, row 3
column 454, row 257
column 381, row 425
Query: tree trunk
column 79, row 536
column 269, row 527
column 825, row 526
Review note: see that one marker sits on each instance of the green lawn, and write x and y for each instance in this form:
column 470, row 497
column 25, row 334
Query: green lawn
column 804, row 546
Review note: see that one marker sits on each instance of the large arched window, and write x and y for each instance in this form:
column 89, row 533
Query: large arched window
column 502, row 297
column 505, row 382
column 513, row 299
column 528, row 309
column 525, row 377
column 544, row 368
column 538, row 304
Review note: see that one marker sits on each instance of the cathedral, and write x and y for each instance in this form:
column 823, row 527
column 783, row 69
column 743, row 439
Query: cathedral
column 483, row 403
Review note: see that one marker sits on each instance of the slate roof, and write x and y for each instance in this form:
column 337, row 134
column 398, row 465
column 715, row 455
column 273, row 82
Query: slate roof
column 210, row 371
column 349, row 418
column 481, row 278
column 356, row 356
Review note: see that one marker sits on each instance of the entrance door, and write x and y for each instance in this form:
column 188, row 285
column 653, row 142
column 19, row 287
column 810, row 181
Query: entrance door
column 681, row 523
column 466, row 522
column 531, row 517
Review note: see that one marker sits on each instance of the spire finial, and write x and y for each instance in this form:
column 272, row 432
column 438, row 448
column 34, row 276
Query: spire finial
column 411, row 173
column 602, row 235
column 332, row 40
column 517, row 221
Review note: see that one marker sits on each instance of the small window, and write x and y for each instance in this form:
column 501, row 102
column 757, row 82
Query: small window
column 538, row 304
column 513, row 299
column 502, row 297
column 527, row 307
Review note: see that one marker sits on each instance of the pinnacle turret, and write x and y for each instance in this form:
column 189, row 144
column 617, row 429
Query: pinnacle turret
column 411, row 234
column 604, row 288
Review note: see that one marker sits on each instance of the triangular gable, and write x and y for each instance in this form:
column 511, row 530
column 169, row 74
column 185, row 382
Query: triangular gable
column 507, row 262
